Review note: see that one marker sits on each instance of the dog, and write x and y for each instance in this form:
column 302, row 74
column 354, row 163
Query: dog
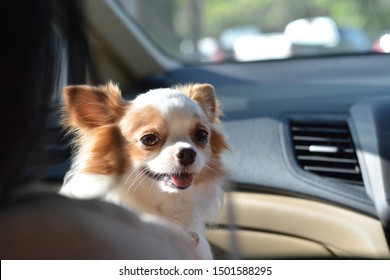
column 159, row 153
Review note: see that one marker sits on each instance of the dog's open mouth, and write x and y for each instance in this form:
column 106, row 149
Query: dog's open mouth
column 179, row 180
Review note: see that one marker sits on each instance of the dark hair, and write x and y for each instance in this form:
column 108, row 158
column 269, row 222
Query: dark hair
column 43, row 47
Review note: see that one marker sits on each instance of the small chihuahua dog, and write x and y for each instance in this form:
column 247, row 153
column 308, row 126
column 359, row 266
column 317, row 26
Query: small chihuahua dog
column 159, row 153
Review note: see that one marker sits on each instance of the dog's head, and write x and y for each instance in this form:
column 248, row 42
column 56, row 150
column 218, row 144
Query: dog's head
column 166, row 137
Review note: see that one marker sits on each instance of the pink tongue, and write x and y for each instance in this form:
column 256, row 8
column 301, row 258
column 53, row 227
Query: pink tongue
column 182, row 180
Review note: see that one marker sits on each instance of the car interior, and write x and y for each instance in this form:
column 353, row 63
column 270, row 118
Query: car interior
column 309, row 172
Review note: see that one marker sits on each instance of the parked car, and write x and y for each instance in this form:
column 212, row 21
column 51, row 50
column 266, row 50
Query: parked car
column 262, row 47
column 229, row 36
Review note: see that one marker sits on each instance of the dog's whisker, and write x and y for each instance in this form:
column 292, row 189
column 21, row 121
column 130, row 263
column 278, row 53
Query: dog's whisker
column 136, row 181
column 210, row 169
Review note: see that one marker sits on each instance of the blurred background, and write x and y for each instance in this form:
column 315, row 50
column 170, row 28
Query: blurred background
column 246, row 30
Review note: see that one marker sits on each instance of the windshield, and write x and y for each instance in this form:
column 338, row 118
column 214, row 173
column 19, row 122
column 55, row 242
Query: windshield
column 249, row 30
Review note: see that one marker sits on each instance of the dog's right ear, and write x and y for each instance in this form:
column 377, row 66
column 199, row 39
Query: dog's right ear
column 89, row 107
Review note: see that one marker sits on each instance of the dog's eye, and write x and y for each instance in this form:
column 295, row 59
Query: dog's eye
column 201, row 136
column 149, row 140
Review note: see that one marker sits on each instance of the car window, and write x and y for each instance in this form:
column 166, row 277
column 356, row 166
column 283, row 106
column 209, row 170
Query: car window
column 248, row 30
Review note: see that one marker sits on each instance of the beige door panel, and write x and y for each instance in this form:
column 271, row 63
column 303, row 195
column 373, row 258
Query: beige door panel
column 253, row 244
column 273, row 226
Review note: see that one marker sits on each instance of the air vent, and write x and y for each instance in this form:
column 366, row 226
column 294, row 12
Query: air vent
column 326, row 149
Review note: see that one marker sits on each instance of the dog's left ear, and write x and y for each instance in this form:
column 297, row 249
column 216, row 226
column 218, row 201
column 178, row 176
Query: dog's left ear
column 204, row 95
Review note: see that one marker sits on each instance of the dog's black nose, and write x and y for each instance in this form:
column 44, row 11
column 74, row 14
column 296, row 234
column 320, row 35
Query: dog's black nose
column 186, row 156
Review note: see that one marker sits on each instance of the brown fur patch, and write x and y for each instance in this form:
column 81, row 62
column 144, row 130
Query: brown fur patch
column 109, row 154
column 92, row 113
column 204, row 95
column 214, row 168
column 138, row 123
